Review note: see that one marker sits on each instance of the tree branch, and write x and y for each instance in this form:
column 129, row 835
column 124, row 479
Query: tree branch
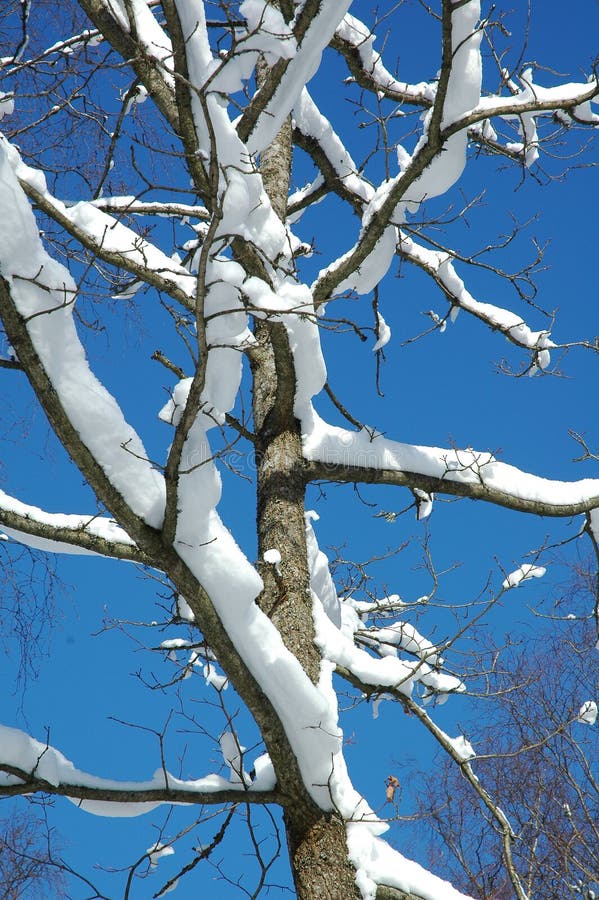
column 70, row 533
column 134, row 255
column 474, row 486
column 496, row 812
column 141, row 794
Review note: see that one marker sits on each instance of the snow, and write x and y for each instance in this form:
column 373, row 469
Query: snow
column 95, row 525
column 184, row 611
column 463, row 92
column 424, row 503
column 202, row 540
column 337, row 646
column 157, row 851
column 321, row 582
column 299, row 196
column 267, row 31
column 293, row 304
column 512, row 325
column 523, row 573
column 357, row 34
column 461, row 746
column 264, row 774
column 246, row 210
column 273, row 557
column 366, row 277
column 39, row 285
column 573, row 92
column 588, row 713
column 531, row 95
column 233, row 584
column 378, row 863
column 151, row 36
column 298, row 73
column 383, row 333
column 335, row 445
column 211, row 677
column 7, row 104
column 406, row 636
column 314, row 124
column 42, row 761
column 233, row 756
column 441, row 174
column 175, row 644
column 107, row 232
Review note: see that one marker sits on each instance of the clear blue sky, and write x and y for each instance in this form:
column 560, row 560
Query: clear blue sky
column 442, row 390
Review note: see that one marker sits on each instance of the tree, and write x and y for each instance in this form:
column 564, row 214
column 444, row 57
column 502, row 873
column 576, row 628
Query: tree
column 25, row 860
column 210, row 113
column 537, row 757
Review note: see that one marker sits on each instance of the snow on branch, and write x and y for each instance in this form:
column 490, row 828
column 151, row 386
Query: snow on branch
column 131, row 206
column 59, row 533
column 137, row 20
column 440, row 266
column 106, row 236
column 576, row 97
column 141, row 41
column 462, row 753
column 428, row 172
column 337, row 645
column 313, row 29
column 356, row 43
column 29, row 766
column 37, row 296
column 312, row 124
column 336, row 454
column 525, row 572
column 439, row 157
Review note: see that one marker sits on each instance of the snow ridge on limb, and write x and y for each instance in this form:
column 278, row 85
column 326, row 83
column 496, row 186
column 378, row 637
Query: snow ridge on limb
column 440, row 266
column 245, row 209
column 104, row 234
column 136, row 18
column 37, row 297
column 462, row 753
column 28, row 766
column 309, row 120
column 376, row 863
column 65, row 533
column 429, row 172
column 314, row 27
column 143, row 43
column 532, row 101
column 337, row 645
column 336, row 454
column 356, row 42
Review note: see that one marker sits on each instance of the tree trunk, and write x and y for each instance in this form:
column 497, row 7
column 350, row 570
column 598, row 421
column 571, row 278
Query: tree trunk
column 316, row 840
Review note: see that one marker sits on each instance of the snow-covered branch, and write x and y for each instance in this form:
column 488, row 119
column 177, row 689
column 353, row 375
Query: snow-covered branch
column 106, row 237
column 356, row 44
column 312, row 30
column 435, row 165
column 229, row 101
column 335, row 454
column 36, row 302
column 28, row 766
column 150, row 57
column 440, row 267
column 59, row 533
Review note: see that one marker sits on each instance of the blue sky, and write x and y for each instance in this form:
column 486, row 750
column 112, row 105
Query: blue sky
column 442, row 390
